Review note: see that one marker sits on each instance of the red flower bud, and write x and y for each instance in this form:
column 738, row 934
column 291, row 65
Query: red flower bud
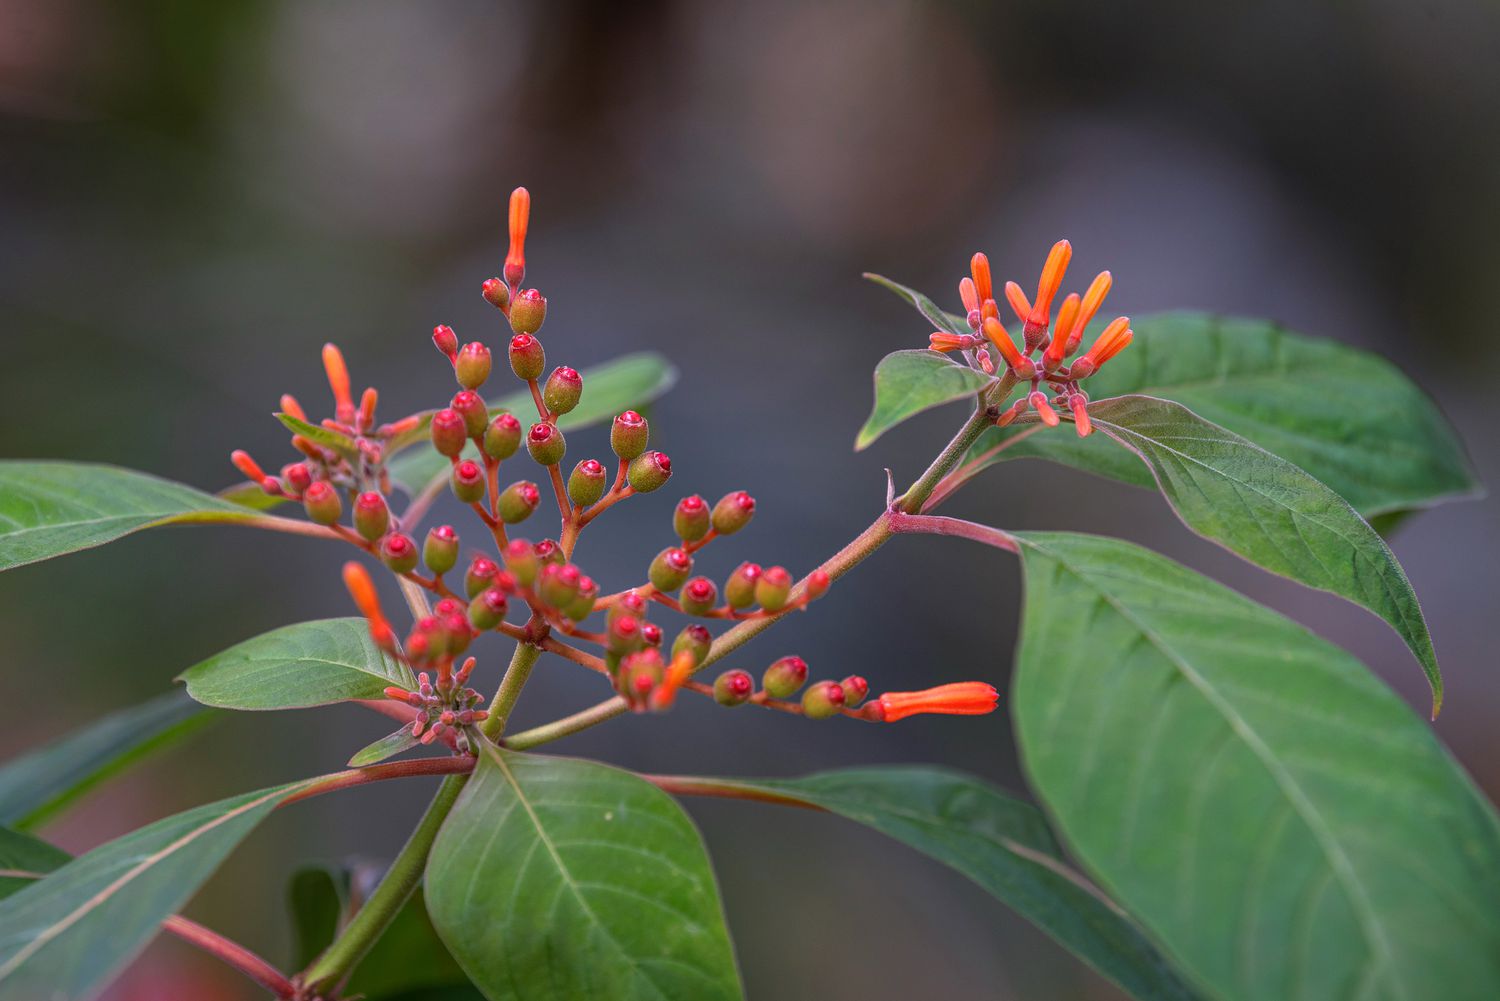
column 496, row 293
column 563, row 390
column 528, row 311
column 670, row 569
column 587, row 482
column 487, row 609
column 784, row 677
column 446, row 341
column 772, row 588
column 322, row 503
column 733, row 512
column 698, row 595
column 473, row 365
column 471, row 407
column 398, row 552
column 372, row 516
column 527, row 358
column 855, row 690
column 468, row 481
column 965, row 698
column 518, row 501
column 649, row 471
column 739, row 589
column 502, row 437
column 449, row 432
column 691, row 520
column 817, row 584
column 520, row 220
column 823, row 700
column 733, row 688
column 651, row 633
column 440, row 550
column 298, row 475
column 522, row 561
column 628, row 435
column 482, row 573
column 546, row 443
column 694, row 639
column 548, row 551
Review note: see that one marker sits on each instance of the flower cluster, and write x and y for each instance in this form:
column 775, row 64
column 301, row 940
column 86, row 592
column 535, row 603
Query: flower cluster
column 1056, row 342
column 504, row 574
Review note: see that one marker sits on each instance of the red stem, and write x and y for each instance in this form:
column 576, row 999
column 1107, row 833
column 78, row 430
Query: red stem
column 231, row 953
column 934, row 524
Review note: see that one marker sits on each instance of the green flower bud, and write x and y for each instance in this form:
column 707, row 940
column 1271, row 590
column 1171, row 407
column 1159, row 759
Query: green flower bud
column 670, row 569
column 623, row 635
column 698, row 595
column 398, row 552
column 733, row 688
column 630, row 603
column 502, row 437
column 855, row 690
column 694, row 638
column 440, row 550
column 690, row 519
column 583, row 603
column 733, row 512
column 467, row 481
column 481, row 574
column 487, row 609
column 563, row 390
column 639, row 676
column 322, row 503
column 557, row 584
column 371, row 516
column 517, row 502
column 783, row 678
column 739, row 589
column 471, row 407
column 528, row 311
column 629, row 434
column 648, row 471
column 449, row 432
column 548, row 551
column 522, row 561
column 545, row 443
column 527, row 359
column 473, row 365
column 823, row 700
column 587, row 483
column 773, row 587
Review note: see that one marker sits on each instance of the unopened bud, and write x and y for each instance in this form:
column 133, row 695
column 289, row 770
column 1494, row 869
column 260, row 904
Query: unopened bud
column 449, row 432
column 548, row 551
column 823, row 700
column 495, row 293
column 640, row 674
column 1038, row 400
column 481, row 574
column 817, row 584
column 446, row 341
column 372, row 516
column 517, row 502
column 562, row 390
column 473, row 365
column 322, row 503
column 298, row 475
column 629, row 434
column 733, row 512
column 739, row 589
column 587, row 482
column 487, row 610
column 528, row 310
column 651, row 634
column 695, row 639
column 698, row 595
column 670, row 569
column 623, row 635
column 398, row 552
column 783, row 678
column 502, row 437
column 773, row 587
column 468, row 481
column 440, row 549
column 733, row 688
column 546, row 443
column 691, row 520
column 557, row 584
column 471, row 407
column 855, row 690
column 648, row 472
column 522, row 561
column 630, row 603
column 527, row 359
column 583, row 602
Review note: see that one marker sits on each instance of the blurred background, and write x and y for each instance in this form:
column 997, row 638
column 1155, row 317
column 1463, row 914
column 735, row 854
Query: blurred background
column 194, row 197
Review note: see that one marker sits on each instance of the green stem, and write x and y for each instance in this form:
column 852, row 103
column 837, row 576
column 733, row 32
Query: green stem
column 406, row 871
column 916, row 495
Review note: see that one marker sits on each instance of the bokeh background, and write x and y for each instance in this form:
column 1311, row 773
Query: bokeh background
column 194, row 197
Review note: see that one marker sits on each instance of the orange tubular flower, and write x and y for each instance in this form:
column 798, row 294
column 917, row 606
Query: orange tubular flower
column 1092, row 300
column 964, row 698
column 1007, row 347
column 520, row 218
column 247, row 465
column 941, row 340
column 362, row 590
column 1079, row 405
column 1019, row 304
column 367, row 404
column 1055, row 352
column 979, row 267
column 338, row 381
column 1116, row 337
column 291, row 407
column 677, row 672
column 969, row 295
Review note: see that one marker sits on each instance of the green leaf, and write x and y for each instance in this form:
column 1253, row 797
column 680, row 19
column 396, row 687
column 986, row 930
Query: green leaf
column 1270, row 512
column 1347, row 416
column 319, row 435
column 557, row 878
column 295, row 667
column 38, row 785
column 247, row 494
column 929, row 309
column 23, row 859
column 65, row 935
column 1276, row 817
column 909, row 382
column 999, row 842
column 386, row 747
column 317, row 900
column 628, row 381
column 51, row 508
